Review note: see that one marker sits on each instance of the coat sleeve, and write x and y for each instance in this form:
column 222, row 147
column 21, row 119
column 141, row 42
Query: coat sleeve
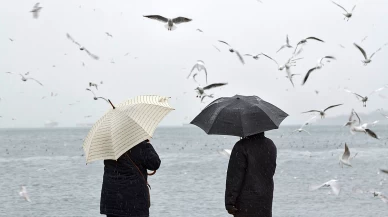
column 235, row 176
column 151, row 158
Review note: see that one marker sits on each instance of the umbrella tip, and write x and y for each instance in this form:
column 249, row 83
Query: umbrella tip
column 111, row 104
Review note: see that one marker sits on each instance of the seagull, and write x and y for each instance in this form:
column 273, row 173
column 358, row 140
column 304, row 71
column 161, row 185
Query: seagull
column 217, row 48
column 234, row 51
column 367, row 60
column 201, row 90
column 384, row 171
column 381, row 196
column 322, row 113
column 345, row 158
column 23, row 193
column 91, row 84
column 305, row 124
column 290, row 62
column 10, row 39
column 199, row 30
column 286, row 45
column 333, row 184
column 317, row 67
column 356, row 125
column 304, row 41
column 81, row 47
column 170, row 22
column 347, row 15
column 108, row 34
column 225, row 152
column 26, row 78
column 256, row 57
column 200, row 65
column 365, row 99
column 95, row 97
column 35, row 11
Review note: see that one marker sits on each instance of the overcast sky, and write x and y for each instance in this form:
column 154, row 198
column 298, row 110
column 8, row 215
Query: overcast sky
column 159, row 60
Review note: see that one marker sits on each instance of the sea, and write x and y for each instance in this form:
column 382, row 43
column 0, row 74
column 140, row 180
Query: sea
column 191, row 179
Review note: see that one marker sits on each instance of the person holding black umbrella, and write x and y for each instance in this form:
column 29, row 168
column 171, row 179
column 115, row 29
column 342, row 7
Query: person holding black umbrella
column 252, row 164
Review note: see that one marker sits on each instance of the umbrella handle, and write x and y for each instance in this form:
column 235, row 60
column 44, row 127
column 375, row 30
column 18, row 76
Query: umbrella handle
column 152, row 173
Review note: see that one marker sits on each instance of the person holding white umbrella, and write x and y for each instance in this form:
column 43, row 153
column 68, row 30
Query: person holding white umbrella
column 121, row 139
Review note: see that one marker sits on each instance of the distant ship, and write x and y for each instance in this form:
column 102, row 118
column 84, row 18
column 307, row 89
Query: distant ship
column 50, row 124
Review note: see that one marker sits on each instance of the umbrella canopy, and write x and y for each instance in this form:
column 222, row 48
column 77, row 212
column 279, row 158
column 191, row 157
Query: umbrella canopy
column 125, row 126
column 239, row 116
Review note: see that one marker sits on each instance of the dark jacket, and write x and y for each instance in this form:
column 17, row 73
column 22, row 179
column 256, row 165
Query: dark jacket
column 249, row 182
column 124, row 192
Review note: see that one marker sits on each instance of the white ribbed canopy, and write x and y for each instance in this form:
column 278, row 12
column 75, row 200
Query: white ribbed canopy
column 120, row 129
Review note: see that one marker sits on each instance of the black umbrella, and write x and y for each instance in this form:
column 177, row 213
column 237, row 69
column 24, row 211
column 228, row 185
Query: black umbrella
column 239, row 116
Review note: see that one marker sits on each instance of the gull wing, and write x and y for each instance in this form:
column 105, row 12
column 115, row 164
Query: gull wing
column 359, row 97
column 378, row 90
column 354, row 7
column 250, row 55
column 224, row 42
column 371, row 133
column 204, row 69
column 270, row 58
column 195, row 75
column 91, row 91
column 310, row 111
column 346, row 153
column 307, row 75
column 226, row 152
column 340, row 7
column 326, row 57
column 362, row 50
column 35, row 81
column 308, row 121
column 91, row 55
column 375, row 52
column 157, row 17
column 240, row 57
column 281, row 48
column 179, row 20
column 287, row 40
column 358, row 117
column 195, row 66
column 332, row 107
column 384, row 170
column 214, row 85
column 315, row 38
column 72, row 39
column 335, row 187
column 316, row 187
column 217, row 48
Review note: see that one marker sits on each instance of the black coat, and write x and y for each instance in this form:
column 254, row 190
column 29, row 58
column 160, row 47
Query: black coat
column 249, row 182
column 124, row 192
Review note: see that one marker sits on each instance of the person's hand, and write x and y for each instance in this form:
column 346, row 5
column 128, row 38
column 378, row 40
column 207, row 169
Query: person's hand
column 233, row 210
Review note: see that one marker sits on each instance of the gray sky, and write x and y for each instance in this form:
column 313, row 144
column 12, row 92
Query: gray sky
column 165, row 58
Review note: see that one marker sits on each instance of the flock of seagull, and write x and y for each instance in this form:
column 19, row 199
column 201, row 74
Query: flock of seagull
column 354, row 123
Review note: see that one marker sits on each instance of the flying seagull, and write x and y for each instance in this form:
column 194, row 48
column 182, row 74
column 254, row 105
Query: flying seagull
column 356, row 125
column 81, row 47
column 170, row 22
column 322, row 113
column 290, row 63
column 199, row 30
column 200, row 65
column 256, row 57
column 317, row 67
column 26, row 78
column 367, row 60
column 286, row 45
column 304, row 41
column 364, row 99
column 201, row 90
column 345, row 158
column 333, row 184
column 35, row 10
column 23, row 193
column 206, row 95
column 108, row 34
column 381, row 196
column 234, row 51
column 347, row 15
column 304, row 124
column 95, row 97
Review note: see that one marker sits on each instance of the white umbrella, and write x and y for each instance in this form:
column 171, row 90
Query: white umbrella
column 125, row 126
